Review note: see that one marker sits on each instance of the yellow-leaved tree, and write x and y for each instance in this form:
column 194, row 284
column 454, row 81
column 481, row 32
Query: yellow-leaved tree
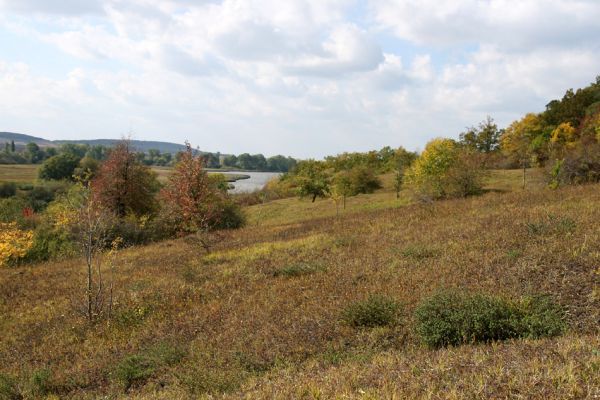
column 14, row 243
column 445, row 169
column 564, row 135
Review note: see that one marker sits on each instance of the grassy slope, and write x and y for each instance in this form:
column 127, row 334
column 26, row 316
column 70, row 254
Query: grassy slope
column 251, row 332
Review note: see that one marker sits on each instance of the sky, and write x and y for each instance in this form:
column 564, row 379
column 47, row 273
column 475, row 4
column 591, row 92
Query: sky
column 305, row 78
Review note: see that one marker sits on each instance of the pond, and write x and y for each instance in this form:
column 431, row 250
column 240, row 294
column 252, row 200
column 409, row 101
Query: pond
column 256, row 181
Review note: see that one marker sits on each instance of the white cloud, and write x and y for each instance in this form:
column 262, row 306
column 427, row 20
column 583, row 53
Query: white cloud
column 301, row 77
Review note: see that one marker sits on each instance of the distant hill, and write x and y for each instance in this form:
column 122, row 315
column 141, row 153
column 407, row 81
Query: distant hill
column 140, row 145
column 21, row 140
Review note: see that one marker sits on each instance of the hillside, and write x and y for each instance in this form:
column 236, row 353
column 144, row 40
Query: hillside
column 260, row 316
column 140, row 145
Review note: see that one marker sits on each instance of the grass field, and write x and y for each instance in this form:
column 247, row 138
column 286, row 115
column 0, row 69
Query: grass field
column 237, row 324
column 28, row 173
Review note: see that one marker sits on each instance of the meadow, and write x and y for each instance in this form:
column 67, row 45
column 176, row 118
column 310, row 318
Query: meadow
column 28, row 173
column 261, row 315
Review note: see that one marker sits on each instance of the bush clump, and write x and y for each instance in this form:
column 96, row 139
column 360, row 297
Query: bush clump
column 297, row 269
column 541, row 317
column 9, row 389
column 376, row 310
column 136, row 369
column 451, row 318
column 7, row 189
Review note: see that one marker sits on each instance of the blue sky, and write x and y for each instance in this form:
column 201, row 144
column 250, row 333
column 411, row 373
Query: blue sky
column 300, row 77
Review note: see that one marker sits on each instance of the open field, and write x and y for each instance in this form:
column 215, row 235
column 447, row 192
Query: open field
column 260, row 316
column 27, row 173
column 20, row 173
column 294, row 209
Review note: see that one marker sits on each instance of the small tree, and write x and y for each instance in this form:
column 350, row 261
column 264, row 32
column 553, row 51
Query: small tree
column 124, row 185
column 445, row 169
column 59, row 167
column 193, row 202
column 90, row 223
column 312, row 179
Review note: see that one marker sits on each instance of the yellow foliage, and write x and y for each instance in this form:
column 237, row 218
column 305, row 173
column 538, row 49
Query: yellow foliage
column 564, row 134
column 517, row 137
column 14, row 243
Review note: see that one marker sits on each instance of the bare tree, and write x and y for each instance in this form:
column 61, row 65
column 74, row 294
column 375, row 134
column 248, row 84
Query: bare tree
column 90, row 228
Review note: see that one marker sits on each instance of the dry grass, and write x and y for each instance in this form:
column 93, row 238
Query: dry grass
column 246, row 330
column 26, row 173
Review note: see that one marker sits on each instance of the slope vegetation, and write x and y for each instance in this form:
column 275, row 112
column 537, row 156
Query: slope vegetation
column 261, row 315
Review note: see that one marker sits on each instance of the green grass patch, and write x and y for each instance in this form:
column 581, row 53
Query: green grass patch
column 376, row 310
column 136, row 369
column 297, row 269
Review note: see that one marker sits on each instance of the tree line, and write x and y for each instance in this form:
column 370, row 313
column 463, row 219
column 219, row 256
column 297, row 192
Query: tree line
column 32, row 153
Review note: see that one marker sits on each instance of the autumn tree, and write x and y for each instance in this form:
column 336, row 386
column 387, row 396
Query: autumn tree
column 445, row 169
column 518, row 140
column 192, row 200
column 124, row 185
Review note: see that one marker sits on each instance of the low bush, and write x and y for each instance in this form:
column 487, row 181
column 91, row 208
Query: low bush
column 7, row 189
column 297, row 269
column 9, row 389
column 230, row 217
column 551, row 224
column 450, row 318
column 40, row 383
column 541, row 317
column 136, row 369
column 50, row 243
column 377, row 310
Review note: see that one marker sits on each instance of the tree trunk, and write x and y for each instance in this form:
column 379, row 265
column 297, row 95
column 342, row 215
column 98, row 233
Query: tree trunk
column 314, row 198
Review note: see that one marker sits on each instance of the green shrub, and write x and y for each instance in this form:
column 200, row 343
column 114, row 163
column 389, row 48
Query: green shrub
column 542, row 317
column 551, row 224
column 297, row 269
column 11, row 209
column 377, row 310
column 230, row 217
column 50, row 243
column 7, row 189
column 450, row 318
column 419, row 252
column 39, row 383
column 136, row 369
column 453, row 318
column 8, row 388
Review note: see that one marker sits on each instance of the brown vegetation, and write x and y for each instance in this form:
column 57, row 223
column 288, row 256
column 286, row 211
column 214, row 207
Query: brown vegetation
column 262, row 316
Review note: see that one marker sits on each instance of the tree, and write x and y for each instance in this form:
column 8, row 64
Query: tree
column 445, row 169
column 12, row 146
column 90, row 223
column 59, row 167
column 124, row 185
column 192, row 200
column 230, row 161
column 484, row 138
column 402, row 160
column 312, row 179
column 517, row 140
column 33, row 153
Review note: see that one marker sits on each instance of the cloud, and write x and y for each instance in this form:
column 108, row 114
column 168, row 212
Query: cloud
column 510, row 24
column 53, row 7
column 301, row 77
